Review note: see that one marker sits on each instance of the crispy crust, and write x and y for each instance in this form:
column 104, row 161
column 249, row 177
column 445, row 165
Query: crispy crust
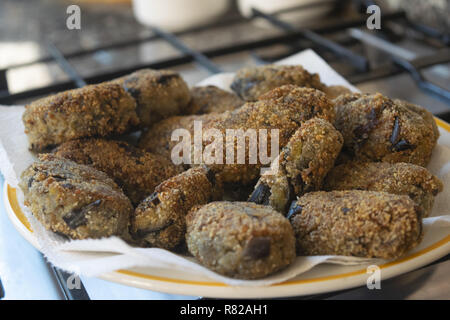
column 159, row 220
column 212, row 99
column 356, row 223
column 397, row 178
column 137, row 172
column 285, row 109
column 74, row 200
column 376, row 128
column 240, row 239
column 158, row 138
column 302, row 165
column 424, row 113
column 158, row 94
column 114, row 107
column 251, row 82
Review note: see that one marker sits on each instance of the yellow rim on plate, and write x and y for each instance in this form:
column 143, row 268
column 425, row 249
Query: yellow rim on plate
column 12, row 198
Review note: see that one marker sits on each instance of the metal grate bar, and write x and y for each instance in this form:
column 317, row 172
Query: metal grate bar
column 401, row 58
column 359, row 62
column 423, row 83
column 374, row 40
column 7, row 98
column 429, row 32
column 440, row 57
column 70, row 294
column 199, row 57
column 65, row 65
column 331, row 28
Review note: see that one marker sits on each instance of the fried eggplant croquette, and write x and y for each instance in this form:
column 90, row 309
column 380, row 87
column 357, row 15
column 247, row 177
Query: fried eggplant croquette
column 159, row 220
column 158, row 93
column 104, row 109
column 75, row 200
column 240, row 239
column 301, row 165
column 212, row 99
column 376, row 128
column 424, row 113
column 136, row 171
column 250, row 83
column 355, row 223
column 397, row 178
column 158, row 140
column 285, row 109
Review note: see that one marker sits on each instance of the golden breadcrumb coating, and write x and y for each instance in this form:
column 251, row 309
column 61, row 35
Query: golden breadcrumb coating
column 159, row 220
column 75, row 200
column 355, row 223
column 397, row 178
column 136, row 171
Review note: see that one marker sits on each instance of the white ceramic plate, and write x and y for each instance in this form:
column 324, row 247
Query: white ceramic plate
column 322, row 278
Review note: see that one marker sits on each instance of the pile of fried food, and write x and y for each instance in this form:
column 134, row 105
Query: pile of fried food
column 351, row 176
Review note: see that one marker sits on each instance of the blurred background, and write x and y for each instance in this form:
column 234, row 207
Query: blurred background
column 116, row 35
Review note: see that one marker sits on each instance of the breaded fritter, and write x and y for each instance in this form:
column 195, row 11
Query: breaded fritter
column 212, row 99
column 333, row 92
column 355, row 223
column 136, row 171
column 158, row 140
column 159, row 220
column 302, row 165
column 75, row 200
column 158, row 93
column 240, row 239
column 97, row 110
column 397, row 178
column 376, row 128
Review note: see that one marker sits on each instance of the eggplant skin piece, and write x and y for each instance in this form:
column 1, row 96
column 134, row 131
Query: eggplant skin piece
column 397, row 178
column 355, row 223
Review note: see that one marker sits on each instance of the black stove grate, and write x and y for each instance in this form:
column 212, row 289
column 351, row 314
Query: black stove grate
column 316, row 38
